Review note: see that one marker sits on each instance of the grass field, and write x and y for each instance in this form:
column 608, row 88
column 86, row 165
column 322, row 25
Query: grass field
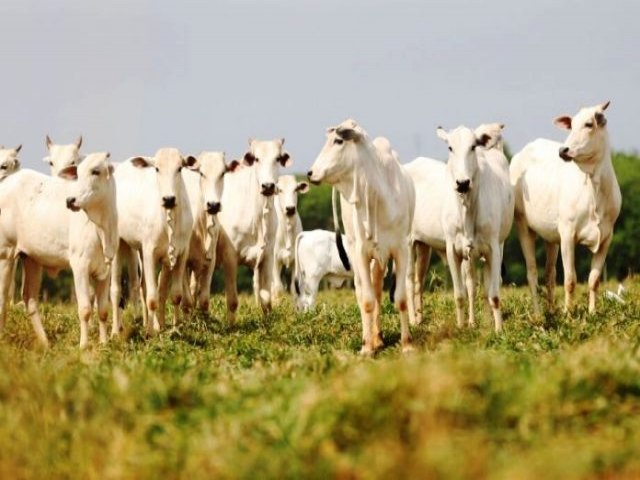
column 288, row 396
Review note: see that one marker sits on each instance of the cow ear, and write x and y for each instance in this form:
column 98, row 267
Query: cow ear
column 604, row 106
column 303, row 187
column 563, row 121
column 141, row 162
column 601, row 121
column 110, row 170
column 18, row 148
column 442, row 134
column 483, row 140
column 190, row 162
column 69, row 173
column 249, row 159
column 347, row 133
column 231, row 167
column 17, row 163
column 48, row 142
column 285, row 159
column 79, row 142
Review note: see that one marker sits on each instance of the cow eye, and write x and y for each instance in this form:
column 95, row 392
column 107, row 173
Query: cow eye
column 179, row 169
column 157, row 169
column 589, row 125
column 95, row 171
column 473, row 147
column 51, row 164
column 451, row 149
column 338, row 141
column 3, row 167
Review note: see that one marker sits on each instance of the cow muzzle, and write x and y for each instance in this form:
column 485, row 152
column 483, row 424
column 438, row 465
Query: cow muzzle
column 311, row 179
column 213, row 208
column 169, row 202
column 268, row 189
column 290, row 211
column 463, row 186
column 71, row 204
column 564, row 154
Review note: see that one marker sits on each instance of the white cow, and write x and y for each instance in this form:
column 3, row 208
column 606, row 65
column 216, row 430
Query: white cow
column 430, row 180
column 63, row 156
column 248, row 221
column 377, row 201
column 476, row 216
column 37, row 223
column 154, row 221
column 289, row 226
column 204, row 183
column 317, row 257
column 567, row 194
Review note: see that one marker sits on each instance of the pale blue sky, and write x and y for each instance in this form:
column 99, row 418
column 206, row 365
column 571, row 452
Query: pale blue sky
column 132, row 76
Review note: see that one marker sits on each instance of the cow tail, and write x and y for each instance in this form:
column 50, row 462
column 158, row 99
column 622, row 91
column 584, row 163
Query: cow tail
column 344, row 258
column 296, row 266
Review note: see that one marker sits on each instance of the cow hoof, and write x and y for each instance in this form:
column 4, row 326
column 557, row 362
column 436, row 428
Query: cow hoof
column 408, row 349
column 366, row 351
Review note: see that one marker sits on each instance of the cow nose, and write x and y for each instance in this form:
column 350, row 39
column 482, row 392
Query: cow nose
column 564, row 154
column 213, row 207
column 268, row 189
column 169, row 201
column 291, row 211
column 462, row 186
column 70, row 202
column 310, row 174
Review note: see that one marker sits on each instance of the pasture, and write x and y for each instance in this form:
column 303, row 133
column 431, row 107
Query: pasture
column 288, row 396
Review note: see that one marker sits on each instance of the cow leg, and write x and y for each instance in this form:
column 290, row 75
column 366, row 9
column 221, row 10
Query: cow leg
column 277, row 287
column 84, row 298
column 455, row 263
column 527, row 239
column 567, row 249
column 550, row 273
column 492, row 283
column 32, row 282
column 377, row 277
column 102, row 304
column 12, row 284
column 597, row 263
column 6, row 279
column 177, row 283
column 469, row 276
column 229, row 260
column 116, row 291
column 163, row 289
column 265, row 272
column 422, row 261
column 367, row 301
column 189, row 288
column 402, row 265
column 151, row 291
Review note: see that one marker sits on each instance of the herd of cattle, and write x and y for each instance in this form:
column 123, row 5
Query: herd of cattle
column 184, row 215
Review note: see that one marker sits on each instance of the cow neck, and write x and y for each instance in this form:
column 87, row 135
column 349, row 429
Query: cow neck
column 601, row 181
column 363, row 188
column 105, row 220
column 265, row 204
column 174, row 218
column 467, row 209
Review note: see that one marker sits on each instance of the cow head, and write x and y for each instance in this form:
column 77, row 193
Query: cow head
column 267, row 157
column 168, row 163
column 463, row 161
column 288, row 189
column 494, row 132
column 93, row 181
column 588, row 135
column 9, row 162
column 212, row 168
column 63, row 156
column 338, row 155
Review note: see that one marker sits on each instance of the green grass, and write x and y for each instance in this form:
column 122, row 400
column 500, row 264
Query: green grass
column 288, row 396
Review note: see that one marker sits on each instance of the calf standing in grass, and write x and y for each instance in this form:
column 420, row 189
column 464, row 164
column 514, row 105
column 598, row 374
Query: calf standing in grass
column 567, row 193
column 289, row 226
column 476, row 216
column 377, row 201
column 37, row 222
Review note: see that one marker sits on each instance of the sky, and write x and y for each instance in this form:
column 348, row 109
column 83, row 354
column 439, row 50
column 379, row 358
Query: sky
column 133, row 76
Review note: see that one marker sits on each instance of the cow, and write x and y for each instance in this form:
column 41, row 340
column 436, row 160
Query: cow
column 154, row 222
column 204, row 182
column 9, row 162
column 317, row 257
column 567, row 193
column 377, row 203
column 477, row 215
column 430, row 179
column 53, row 224
column 289, row 226
column 62, row 156
column 248, row 221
